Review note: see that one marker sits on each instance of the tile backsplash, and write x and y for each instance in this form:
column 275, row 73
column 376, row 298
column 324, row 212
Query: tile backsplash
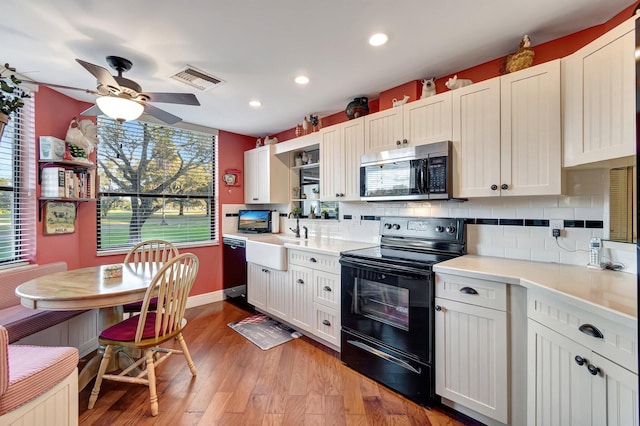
column 508, row 227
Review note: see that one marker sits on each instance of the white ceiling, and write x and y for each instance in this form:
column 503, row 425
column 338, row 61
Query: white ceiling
column 259, row 46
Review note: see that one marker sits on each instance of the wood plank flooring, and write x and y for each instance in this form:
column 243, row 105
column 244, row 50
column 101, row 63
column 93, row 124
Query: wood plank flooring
column 297, row 383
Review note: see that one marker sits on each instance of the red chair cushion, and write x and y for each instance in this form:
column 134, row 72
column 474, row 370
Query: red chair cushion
column 125, row 331
column 137, row 306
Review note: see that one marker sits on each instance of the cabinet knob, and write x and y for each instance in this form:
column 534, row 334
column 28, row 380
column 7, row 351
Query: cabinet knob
column 341, row 195
column 326, row 288
column 468, row 290
column 398, row 143
column 326, row 322
column 255, row 199
column 438, row 308
column 404, row 141
column 494, row 187
column 593, row 370
column 591, row 330
column 265, row 270
column 300, row 281
column 580, row 360
column 504, row 187
column 313, row 260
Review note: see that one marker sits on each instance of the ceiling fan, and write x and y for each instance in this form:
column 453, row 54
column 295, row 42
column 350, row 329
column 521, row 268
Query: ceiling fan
column 123, row 99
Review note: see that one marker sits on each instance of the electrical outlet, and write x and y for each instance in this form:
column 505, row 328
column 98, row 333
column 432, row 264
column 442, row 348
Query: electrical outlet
column 556, row 224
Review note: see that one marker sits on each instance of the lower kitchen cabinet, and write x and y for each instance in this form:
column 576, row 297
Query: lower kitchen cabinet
column 471, row 345
column 269, row 290
column 316, row 295
column 569, row 382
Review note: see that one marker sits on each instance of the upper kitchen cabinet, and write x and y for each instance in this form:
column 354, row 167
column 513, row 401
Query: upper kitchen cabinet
column 341, row 147
column 423, row 121
column 598, row 87
column 507, row 134
column 266, row 177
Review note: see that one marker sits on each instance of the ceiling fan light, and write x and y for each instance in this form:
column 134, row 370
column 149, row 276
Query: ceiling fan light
column 121, row 109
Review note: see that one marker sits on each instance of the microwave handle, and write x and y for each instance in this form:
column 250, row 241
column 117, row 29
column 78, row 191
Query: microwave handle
column 424, row 175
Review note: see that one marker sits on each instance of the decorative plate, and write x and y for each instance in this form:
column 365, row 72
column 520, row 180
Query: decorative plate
column 229, row 178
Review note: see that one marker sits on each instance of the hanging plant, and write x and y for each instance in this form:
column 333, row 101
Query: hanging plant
column 11, row 94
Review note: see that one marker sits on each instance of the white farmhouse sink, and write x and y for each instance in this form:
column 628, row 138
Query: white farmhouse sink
column 269, row 252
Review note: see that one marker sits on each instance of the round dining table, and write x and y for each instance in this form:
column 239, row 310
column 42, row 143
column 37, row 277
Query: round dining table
column 90, row 288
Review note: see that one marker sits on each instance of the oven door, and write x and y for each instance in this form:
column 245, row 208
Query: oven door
column 393, row 305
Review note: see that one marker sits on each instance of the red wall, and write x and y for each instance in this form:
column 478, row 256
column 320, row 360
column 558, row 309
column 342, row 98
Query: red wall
column 54, row 111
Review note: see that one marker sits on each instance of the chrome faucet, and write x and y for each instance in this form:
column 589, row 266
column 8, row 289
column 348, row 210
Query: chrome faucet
column 297, row 230
column 306, row 232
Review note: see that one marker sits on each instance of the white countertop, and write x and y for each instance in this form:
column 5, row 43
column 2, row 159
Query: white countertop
column 613, row 291
column 330, row 246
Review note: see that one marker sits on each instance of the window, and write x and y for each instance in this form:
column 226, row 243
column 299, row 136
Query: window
column 156, row 182
column 18, row 187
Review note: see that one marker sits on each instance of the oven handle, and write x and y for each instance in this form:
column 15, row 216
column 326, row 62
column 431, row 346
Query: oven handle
column 385, row 356
column 385, row 269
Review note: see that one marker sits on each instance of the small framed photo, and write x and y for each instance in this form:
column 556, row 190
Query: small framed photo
column 59, row 218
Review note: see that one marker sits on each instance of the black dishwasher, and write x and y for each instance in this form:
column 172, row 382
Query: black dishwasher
column 234, row 271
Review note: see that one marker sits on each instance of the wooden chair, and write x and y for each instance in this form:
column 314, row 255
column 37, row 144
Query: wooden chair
column 150, row 251
column 150, row 329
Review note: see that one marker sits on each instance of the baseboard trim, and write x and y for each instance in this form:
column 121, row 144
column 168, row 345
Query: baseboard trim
column 205, row 298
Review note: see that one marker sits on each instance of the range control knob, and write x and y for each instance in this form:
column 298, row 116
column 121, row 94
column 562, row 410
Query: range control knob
column 387, row 226
column 396, row 226
column 451, row 229
column 439, row 228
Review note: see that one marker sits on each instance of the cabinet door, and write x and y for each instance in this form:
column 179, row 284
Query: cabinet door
column 257, row 285
column 352, row 141
column 599, row 90
column 530, row 137
column 615, row 397
column 251, row 177
column 302, row 292
column 476, row 139
column 326, row 289
column 279, row 299
column 471, row 357
column 262, row 175
column 332, row 163
column 383, row 130
column 559, row 390
column 428, row 120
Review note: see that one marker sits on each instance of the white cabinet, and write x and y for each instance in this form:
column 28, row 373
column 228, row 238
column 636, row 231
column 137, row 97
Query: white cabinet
column 316, row 295
column 571, row 381
column 599, row 89
column 266, row 177
column 341, row 147
column 507, row 134
column 471, row 344
column 420, row 122
column 269, row 290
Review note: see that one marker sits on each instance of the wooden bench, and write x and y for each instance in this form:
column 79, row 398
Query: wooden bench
column 38, row 384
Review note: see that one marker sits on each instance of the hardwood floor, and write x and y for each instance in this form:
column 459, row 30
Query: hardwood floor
column 297, row 383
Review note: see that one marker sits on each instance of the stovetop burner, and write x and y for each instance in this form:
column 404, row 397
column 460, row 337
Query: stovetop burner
column 416, row 242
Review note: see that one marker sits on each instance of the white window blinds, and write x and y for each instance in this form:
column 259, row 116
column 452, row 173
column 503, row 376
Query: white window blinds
column 18, row 205
column 156, row 182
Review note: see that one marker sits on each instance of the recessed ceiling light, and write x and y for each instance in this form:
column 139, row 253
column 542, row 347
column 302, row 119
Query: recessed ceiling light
column 378, row 39
column 301, row 79
column 255, row 104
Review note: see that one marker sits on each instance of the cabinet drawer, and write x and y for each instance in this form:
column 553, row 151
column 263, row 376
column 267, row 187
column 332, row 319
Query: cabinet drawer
column 488, row 294
column 326, row 289
column 618, row 343
column 326, row 324
column 316, row 261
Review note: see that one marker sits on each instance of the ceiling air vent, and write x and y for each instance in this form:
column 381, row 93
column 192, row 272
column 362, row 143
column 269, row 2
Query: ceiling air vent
column 197, row 78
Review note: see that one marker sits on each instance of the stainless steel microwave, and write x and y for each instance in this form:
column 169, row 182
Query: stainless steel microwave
column 421, row 172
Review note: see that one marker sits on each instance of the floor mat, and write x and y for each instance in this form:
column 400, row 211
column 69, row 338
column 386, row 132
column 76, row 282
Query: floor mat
column 263, row 331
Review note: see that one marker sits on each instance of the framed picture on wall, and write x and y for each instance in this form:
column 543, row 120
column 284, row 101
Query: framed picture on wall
column 59, row 218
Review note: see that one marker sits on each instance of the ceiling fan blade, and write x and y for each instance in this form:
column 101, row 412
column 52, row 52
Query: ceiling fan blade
column 60, row 86
column 161, row 114
column 101, row 74
column 173, row 98
column 93, row 111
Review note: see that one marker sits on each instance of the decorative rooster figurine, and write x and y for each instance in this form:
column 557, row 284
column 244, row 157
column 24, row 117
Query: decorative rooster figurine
column 522, row 59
